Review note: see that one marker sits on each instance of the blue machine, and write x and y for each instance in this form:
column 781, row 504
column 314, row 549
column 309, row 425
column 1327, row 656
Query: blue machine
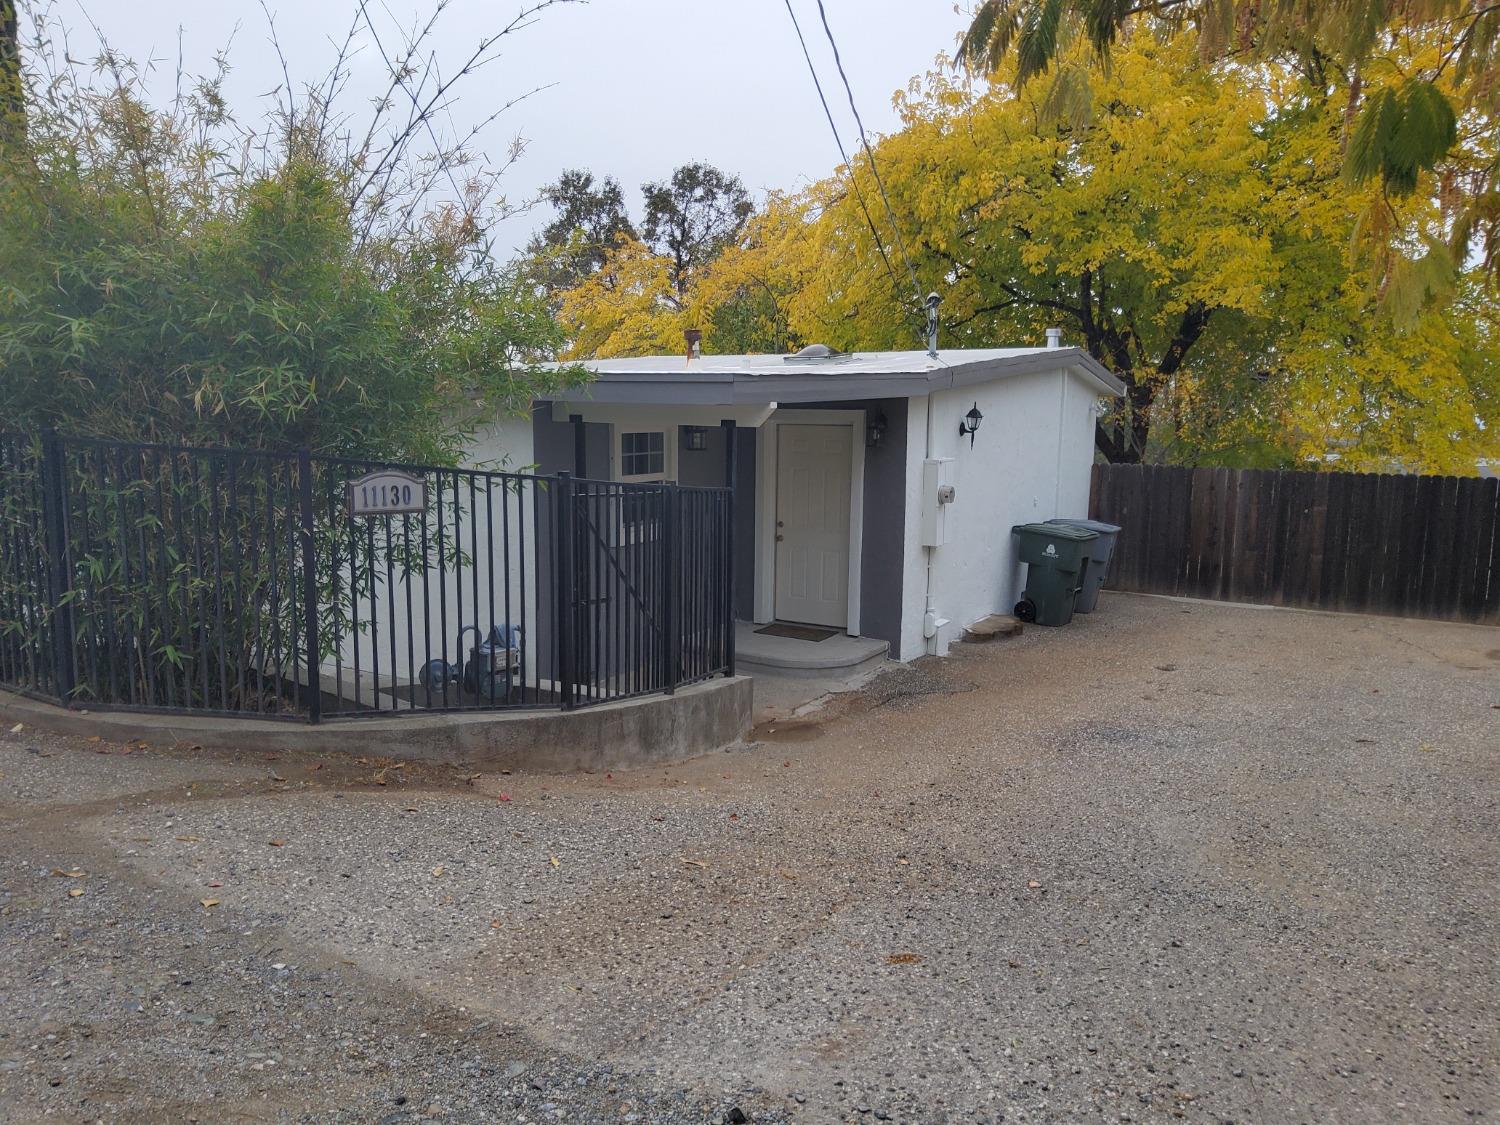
column 493, row 669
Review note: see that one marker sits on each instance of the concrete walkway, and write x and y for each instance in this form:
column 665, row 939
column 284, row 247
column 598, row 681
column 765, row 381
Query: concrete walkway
column 1177, row 861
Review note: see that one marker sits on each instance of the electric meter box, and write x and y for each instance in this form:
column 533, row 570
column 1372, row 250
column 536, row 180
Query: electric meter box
column 938, row 493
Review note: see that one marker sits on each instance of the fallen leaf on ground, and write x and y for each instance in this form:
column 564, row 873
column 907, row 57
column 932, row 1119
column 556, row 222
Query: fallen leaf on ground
column 495, row 923
column 73, row 874
column 277, row 777
column 785, row 874
column 504, row 796
column 95, row 738
column 214, row 886
column 75, row 892
column 1033, row 885
column 277, row 843
column 903, row 861
column 556, row 862
column 695, row 863
column 18, row 728
column 438, row 870
column 314, row 767
column 188, row 839
column 411, row 808
column 207, row 902
column 904, row 958
column 734, row 816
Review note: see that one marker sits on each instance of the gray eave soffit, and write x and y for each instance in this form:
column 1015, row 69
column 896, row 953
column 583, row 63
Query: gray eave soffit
column 723, row 388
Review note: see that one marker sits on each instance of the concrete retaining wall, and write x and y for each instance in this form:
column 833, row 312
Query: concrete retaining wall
column 638, row 732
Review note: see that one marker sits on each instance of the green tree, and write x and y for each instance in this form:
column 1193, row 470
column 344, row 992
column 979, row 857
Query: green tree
column 1403, row 118
column 590, row 217
column 12, row 103
column 691, row 217
column 158, row 281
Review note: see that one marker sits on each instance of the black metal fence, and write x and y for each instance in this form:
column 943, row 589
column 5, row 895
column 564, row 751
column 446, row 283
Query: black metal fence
column 233, row 581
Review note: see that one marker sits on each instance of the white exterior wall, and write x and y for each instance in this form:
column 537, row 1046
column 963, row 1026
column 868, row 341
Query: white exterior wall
column 505, row 445
column 1030, row 461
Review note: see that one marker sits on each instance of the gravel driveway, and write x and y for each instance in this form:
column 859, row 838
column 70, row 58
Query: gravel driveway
column 1179, row 861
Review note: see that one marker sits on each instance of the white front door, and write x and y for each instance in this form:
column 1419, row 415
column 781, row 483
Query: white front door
column 812, row 524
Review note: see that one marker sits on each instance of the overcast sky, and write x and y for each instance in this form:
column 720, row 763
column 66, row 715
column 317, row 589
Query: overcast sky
column 641, row 85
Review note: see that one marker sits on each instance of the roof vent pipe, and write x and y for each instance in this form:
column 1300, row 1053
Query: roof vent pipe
column 694, row 340
column 1054, row 337
column 933, row 301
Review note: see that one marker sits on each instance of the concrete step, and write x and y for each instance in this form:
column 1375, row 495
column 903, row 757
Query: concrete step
column 836, row 657
column 989, row 628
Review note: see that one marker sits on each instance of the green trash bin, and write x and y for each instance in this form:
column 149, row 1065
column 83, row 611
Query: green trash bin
column 1057, row 558
column 1099, row 556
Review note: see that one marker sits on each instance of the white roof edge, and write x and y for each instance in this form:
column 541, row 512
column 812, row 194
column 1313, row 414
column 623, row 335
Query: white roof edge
column 665, row 379
column 1042, row 359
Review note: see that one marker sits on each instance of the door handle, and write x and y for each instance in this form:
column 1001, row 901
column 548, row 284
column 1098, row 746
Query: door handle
column 779, row 538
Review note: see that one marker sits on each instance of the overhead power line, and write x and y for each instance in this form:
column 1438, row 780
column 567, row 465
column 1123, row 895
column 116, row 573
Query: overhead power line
column 870, row 154
column 844, row 155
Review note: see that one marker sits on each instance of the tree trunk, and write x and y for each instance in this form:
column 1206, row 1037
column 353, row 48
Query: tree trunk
column 1124, row 443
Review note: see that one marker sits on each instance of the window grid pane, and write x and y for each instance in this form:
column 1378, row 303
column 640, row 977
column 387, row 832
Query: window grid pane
column 642, row 454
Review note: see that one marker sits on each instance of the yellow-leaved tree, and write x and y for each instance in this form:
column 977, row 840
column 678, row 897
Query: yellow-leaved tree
column 1191, row 226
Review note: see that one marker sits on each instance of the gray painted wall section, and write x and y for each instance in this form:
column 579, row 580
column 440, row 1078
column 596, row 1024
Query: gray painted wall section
column 553, row 449
column 552, row 444
column 705, row 468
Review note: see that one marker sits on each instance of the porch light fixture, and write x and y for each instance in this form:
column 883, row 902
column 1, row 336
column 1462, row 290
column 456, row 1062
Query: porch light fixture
column 875, row 430
column 697, row 438
column 969, row 424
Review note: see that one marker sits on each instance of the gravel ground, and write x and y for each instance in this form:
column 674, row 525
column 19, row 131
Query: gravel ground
column 1178, row 861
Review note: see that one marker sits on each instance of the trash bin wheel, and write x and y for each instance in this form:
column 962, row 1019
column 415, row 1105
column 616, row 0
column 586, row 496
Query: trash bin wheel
column 1026, row 610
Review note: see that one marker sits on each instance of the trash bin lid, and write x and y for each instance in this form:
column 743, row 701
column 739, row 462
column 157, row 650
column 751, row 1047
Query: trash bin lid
column 1089, row 525
column 1055, row 531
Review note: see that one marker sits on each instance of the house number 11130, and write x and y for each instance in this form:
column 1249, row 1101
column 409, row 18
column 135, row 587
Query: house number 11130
column 385, row 493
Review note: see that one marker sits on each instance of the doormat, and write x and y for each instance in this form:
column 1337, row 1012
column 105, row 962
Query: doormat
column 797, row 632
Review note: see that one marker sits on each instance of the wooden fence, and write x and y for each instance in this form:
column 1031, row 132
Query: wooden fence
column 1374, row 543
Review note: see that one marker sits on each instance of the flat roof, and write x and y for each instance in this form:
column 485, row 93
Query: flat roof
column 731, row 379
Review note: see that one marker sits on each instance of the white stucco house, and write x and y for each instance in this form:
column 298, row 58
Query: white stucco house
column 865, row 501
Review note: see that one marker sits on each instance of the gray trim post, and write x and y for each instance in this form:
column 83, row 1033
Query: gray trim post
column 731, row 481
column 310, row 652
column 672, row 575
column 563, row 553
column 580, row 447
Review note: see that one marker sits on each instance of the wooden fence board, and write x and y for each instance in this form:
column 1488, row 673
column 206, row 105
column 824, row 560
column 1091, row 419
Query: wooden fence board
column 1412, row 546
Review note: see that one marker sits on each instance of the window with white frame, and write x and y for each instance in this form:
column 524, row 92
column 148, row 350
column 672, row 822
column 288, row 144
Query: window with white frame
column 642, row 456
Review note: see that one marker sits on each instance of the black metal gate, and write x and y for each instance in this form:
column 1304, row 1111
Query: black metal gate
column 235, row 581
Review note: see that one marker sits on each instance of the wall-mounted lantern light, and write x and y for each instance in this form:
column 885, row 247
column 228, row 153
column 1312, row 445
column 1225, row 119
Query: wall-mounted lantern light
column 875, row 429
column 697, row 437
column 969, row 424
